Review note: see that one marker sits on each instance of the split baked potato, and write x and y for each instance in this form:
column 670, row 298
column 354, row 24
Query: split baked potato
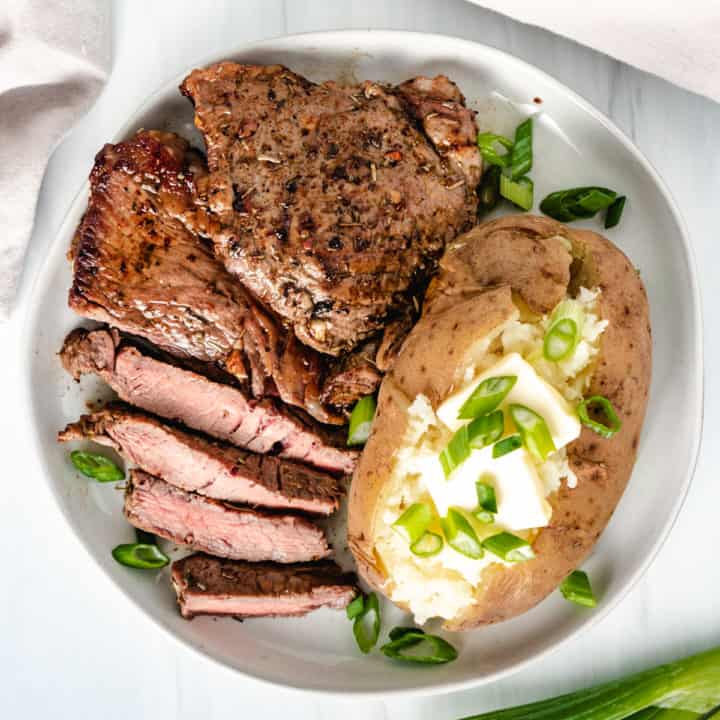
column 494, row 297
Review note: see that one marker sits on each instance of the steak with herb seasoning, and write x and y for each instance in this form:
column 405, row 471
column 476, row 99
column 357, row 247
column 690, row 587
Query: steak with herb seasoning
column 211, row 586
column 221, row 410
column 332, row 203
column 217, row 528
column 210, row 468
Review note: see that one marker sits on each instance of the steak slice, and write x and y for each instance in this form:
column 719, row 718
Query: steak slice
column 137, row 267
column 332, row 203
column 220, row 410
column 209, row 468
column 217, row 528
column 211, row 586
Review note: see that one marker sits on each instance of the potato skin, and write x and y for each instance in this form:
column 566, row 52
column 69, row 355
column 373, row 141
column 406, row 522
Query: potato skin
column 528, row 256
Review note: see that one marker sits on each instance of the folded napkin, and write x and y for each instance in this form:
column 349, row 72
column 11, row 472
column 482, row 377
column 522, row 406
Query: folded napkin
column 679, row 40
column 54, row 59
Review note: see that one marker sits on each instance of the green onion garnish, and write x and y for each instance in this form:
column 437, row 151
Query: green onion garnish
column 397, row 632
column 577, row 203
column 614, row 212
column 364, row 611
column 521, row 154
column 487, row 396
column 413, row 523
column 427, row 545
column 486, row 496
column 506, row 445
column 533, row 431
column 486, row 144
column 564, row 331
column 460, row 535
column 456, row 452
column 485, row 430
column 509, row 547
column 519, row 192
column 489, row 189
column 95, row 466
column 576, row 588
column 602, row 403
column 418, row 647
column 140, row 555
column 361, row 421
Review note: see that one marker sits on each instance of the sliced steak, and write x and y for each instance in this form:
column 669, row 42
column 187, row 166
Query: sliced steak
column 223, row 411
column 209, row 468
column 217, row 528
column 211, row 586
column 332, row 203
column 137, row 267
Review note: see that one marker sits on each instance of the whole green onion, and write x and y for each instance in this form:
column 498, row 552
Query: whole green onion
column 364, row 611
column 427, row 545
column 361, row 421
column 509, row 547
column 413, row 523
column 576, row 588
column 506, row 445
column 487, row 396
column 533, row 431
column 691, row 685
column 416, row 646
column 486, row 143
column 140, row 555
column 601, row 402
column 614, row 212
column 460, row 535
column 519, row 192
column 521, row 157
column 564, row 330
column 577, row 203
column 96, row 466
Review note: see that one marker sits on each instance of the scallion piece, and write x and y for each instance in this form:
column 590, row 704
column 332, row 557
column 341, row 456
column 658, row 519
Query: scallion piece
column 413, row 523
column 460, row 535
column 366, row 621
column 140, row 555
column 564, row 331
column 486, row 496
column 419, row 647
column 485, row 430
column 487, row 396
column 397, row 632
column 356, row 607
column 614, row 212
column 576, row 588
column 506, row 445
column 594, row 403
column 519, row 192
column 509, row 547
column 577, row 203
column 456, row 452
column 489, row 189
column 361, row 421
column 486, row 144
column 427, row 545
column 533, row 430
column 521, row 156
column 96, row 466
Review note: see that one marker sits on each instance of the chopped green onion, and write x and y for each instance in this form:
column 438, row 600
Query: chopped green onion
column 576, row 588
column 506, row 445
column 487, row 396
column 486, row 496
column 361, row 420
column 485, row 430
column 489, row 189
column 509, row 547
column 483, row 516
column 460, row 535
column 519, row 192
column 419, row 647
column 397, row 632
column 577, row 203
column 606, row 431
column 486, row 144
column 428, row 544
column 533, row 431
column 140, row 555
column 145, row 538
column 614, row 212
column 564, row 331
column 95, row 466
column 413, row 523
column 456, row 452
column 366, row 621
column 521, row 155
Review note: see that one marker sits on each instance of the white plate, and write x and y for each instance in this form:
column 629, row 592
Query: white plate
column 574, row 145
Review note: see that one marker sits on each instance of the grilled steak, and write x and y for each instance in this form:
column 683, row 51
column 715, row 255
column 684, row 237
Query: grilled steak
column 137, row 267
column 217, row 528
column 223, row 411
column 213, row 469
column 211, row 586
column 333, row 203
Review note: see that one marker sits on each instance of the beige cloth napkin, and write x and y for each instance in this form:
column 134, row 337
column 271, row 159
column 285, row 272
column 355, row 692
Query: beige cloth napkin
column 54, row 59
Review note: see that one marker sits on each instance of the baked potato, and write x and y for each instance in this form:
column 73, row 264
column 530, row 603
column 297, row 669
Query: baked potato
column 494, row 297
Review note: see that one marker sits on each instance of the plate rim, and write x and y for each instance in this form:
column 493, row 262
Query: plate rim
column 444, row 687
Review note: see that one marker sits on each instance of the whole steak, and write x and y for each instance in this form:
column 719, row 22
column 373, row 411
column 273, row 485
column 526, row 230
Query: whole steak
column 332, row 203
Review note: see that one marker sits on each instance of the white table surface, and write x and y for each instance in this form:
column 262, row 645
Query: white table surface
column 71, row 646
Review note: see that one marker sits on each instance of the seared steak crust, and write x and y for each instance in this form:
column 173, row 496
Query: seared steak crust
column 333, row 203
column 211, row 586
column 214, row 469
